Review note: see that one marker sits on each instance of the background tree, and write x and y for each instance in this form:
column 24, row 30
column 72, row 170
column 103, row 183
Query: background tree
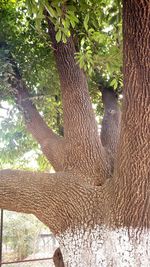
column 97, row 202
column 20, row 236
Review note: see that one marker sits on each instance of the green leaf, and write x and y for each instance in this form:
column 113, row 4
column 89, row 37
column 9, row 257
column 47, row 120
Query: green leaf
column 114, row 83
column 64, row 39
column 86, row 20
column 82, row 41
column 58, row 36
column 72, row 23
column 51, row 11
column 66, row 23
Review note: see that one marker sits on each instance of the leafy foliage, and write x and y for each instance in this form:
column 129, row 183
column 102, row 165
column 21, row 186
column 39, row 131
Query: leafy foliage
column 22, row 236
column 97, row 25
column 96, row 29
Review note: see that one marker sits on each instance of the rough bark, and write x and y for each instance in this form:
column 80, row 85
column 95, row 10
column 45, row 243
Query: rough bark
column 51, row 144
column 133, row 160
column 110, row 129
column 74, row 210
column 59, row 119
column 60, row 200
column 84, row 151
column 80, row 150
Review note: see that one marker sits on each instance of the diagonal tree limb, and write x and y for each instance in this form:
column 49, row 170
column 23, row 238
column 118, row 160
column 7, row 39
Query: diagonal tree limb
column 58, row 200
column 51, row 144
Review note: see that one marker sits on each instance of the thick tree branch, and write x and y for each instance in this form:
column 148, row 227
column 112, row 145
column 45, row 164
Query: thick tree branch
column 75, row 95
column 80, row 127
column 51, row 144
column 111, row 121
column 58, row 200
column 59, row 119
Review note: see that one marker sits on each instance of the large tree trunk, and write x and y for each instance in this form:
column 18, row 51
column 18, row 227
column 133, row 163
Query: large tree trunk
column 100, row 215
column 133, row 160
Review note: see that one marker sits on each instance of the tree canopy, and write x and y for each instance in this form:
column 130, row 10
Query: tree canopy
column 96, row 27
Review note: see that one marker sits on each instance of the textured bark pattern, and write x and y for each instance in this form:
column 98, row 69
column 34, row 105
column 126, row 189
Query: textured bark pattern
column 51, row 144
column 80, row 150
column 83, row 148
column 110, row 131
column 58, row 200
column 133, row 162
column 111, row 220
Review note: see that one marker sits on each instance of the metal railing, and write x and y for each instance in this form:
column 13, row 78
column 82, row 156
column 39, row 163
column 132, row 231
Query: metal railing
column 1, row 246
column 1, row 236
column 24, row 261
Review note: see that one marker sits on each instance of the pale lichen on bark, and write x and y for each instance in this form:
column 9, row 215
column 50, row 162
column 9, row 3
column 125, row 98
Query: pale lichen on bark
column 102, row 247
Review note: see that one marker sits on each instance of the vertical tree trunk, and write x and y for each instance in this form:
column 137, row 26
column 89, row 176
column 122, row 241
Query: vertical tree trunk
column 133, row 160
column 81, row 136
column 110, row 130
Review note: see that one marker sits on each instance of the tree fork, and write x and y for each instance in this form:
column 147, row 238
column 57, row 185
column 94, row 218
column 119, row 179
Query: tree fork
column 59, row 200
column 80, row 127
